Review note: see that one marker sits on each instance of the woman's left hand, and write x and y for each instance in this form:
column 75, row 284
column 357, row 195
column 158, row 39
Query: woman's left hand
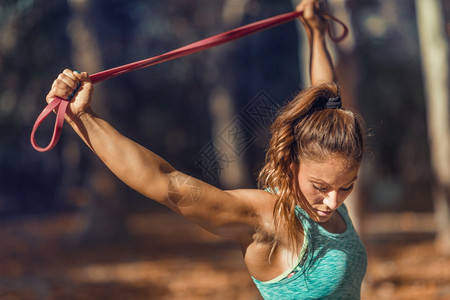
column 311, row 18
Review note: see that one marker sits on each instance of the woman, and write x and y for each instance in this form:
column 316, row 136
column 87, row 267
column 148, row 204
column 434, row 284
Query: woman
column 296, row 237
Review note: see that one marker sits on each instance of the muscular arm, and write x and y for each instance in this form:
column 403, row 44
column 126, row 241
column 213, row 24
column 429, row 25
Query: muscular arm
column 135, row 165
column 321, row 65
column 227, row 213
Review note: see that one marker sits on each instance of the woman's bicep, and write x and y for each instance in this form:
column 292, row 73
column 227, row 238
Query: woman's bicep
column 225, row 213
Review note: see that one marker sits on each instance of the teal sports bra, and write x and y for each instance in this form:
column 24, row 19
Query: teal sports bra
column 331, row 265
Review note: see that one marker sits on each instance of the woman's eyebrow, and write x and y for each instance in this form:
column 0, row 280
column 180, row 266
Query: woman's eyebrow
column 320, row 181
column 316, row 180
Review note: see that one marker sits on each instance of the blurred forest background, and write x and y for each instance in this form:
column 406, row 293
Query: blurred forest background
column 70, row 229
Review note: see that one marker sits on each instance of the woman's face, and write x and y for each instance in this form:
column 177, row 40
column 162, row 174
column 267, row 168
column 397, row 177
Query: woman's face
column 326, row 184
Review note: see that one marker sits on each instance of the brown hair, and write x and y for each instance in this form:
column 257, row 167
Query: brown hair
column 301, row 131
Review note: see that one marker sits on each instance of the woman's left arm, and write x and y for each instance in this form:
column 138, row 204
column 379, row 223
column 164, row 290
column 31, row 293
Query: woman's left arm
column 321, row 65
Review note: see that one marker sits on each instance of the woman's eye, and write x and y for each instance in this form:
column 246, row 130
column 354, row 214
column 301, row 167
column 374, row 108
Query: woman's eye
column 347, row 188
column 322, row 190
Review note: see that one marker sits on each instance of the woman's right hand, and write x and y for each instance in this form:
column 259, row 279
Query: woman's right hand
column 78, row 85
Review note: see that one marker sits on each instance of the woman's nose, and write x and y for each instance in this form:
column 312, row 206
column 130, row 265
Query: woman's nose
column 331, row 200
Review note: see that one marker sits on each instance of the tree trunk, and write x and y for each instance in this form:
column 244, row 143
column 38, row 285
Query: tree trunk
column 435, row 67
column 100, row 196
column 226, row 128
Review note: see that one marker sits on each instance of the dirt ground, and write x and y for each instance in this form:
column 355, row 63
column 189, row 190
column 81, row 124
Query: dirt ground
column 169, row 258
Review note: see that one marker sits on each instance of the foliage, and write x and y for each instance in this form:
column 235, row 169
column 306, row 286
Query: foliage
column 165, row 107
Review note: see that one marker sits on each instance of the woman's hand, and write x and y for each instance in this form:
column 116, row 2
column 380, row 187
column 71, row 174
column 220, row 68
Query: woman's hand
column 321, row 65
column 75, row 87
column 311, row 18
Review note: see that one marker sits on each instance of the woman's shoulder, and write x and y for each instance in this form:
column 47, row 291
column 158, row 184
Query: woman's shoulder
column 260, row 202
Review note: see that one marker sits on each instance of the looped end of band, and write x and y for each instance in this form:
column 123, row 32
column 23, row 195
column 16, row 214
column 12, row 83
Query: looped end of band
column 333, row 37
column 61, row 105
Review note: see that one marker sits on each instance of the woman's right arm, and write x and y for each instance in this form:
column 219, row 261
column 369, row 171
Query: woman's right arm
column 226, row 213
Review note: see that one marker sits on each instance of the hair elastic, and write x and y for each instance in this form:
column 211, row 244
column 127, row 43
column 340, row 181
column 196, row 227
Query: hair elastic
column 334, row 103
column 327, row 103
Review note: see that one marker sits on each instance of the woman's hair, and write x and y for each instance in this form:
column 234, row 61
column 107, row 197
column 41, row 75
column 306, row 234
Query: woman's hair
column 305, row 131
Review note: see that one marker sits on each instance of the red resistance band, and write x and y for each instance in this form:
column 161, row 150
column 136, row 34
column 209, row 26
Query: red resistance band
column 60, row 104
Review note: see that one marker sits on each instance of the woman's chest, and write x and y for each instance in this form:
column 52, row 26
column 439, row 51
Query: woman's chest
column 266, row 262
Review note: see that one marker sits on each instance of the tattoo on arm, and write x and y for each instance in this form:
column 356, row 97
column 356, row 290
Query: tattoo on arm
column 183, row 190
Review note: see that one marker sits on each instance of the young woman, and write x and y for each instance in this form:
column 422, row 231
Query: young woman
column 297, row 239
